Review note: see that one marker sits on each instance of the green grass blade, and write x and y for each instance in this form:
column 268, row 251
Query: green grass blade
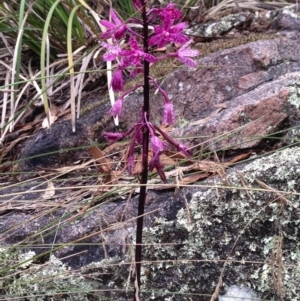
column 17, row 62
column 43, row 57
column 71, row 63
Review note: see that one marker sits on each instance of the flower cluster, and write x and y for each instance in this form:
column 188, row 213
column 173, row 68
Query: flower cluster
column 167, row 30
column 157, row 145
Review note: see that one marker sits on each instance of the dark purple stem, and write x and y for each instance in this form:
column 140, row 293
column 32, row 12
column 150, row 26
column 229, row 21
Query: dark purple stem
column 143, row 189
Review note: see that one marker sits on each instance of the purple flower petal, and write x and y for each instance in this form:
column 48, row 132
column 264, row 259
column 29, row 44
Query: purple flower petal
column 161, row 173
column 154, row 163
column 113, row 51
column 134, row 43
column 115, row 29
column 184, row 50
column 168, row 33
column 126, row 52
column 189, row 52
column 177, row 38
column 157, row 39
column 136, row 70
column 117, row 81
column 116, row 109
column 168, row 12
column 182, row 148
column 156, row 145
column 113, row 137
column 188, row 61
column 184, row 53
column 130, row 164
column 138, row 134
column 178, row 27
column 115, row 18
column 137, row 4
column 134, row 55
column 168, row 116
column 107, row 24
column 148, row 57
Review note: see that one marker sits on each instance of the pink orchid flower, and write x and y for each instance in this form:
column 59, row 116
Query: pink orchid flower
column 184, row 53
column 116, row 28
column 168, row 12
column 168, row 33
column 134, row 55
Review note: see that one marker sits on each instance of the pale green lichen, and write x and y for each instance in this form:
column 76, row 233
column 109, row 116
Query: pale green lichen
column 291, row 11
column 243, row 227
column 186, row 256
column 236, row 293
column 294, row 95
column 52, row 281
column 26, row 259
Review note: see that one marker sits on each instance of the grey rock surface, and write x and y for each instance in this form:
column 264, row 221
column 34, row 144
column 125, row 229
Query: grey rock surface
column 235, row 96
column 286, row 18
column 242, row 228
column 233, row 99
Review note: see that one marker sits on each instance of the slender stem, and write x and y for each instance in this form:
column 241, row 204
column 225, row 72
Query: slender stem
column 143, row 189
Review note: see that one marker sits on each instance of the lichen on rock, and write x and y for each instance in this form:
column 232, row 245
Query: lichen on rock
column 249, row 227
column 243, row 228
column 38, row 282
